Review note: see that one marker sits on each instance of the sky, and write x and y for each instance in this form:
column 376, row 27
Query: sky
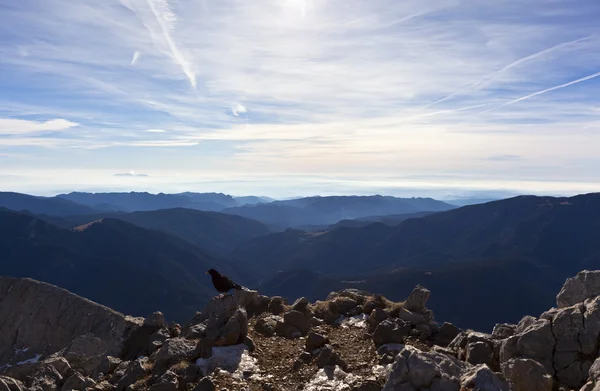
column 281, row 98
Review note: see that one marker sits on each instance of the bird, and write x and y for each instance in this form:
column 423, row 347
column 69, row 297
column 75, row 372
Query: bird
column 222, row 283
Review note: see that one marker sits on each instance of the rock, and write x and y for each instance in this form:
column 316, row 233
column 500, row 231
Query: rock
column 10, row 384
column 300, row 305
column 174, row 350
column 481, row 378
column 156, row 320
column 63, row 317
column 194, row 331
column 527, row 375
column 572, row 376
column 411, row 317
column 86, row 352
column 298, row 320
column 77, row 382
column 536, row 340
column 330, row 358
column 342, row 305
column 53, row 368
column 135, row 370
column 276, row 305
column 391, row 331
column 286, row 330
column 377, row 316
column 525, row 322
column 566, row 327
column 586, row 284
column 167, row 382
column 175, row 330
column 428, row 370
column 368, row 385
column 267, row 325
column 107, row 366
column 588, row 338
column 249, row 342
column 205, row 384
column 235, row 330
column 315, row 341
column 417, row 300
column 503, row 330
column 480, row 353
column 446, row 334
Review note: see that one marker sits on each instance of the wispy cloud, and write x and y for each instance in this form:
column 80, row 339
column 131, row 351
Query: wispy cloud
column 17, row 126
column 131, row 174
column 345, row 88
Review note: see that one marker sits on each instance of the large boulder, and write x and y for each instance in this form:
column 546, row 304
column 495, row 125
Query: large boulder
column 173, row 351
column 64, row 316
column 527, row 375
column 235, row 330
column 417, row 300
column 298, row 320
column 391, row 331
column 585, row 285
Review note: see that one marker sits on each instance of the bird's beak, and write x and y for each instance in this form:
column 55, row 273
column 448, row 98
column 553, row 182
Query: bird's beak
column 206, row 273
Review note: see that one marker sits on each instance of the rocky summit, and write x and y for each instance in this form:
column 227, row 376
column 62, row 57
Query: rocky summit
column 51, row 339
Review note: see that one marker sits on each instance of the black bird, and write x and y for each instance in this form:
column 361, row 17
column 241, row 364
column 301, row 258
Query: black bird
column 222, row 283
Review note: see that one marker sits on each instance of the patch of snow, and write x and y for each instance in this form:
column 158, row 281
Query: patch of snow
column 234, row 359
column 22, row 350
column 32, row 360
column 329, row 379
column 359, row 321
column 382, row 372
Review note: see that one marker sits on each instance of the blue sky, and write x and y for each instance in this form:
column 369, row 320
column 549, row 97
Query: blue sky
column 298, row 97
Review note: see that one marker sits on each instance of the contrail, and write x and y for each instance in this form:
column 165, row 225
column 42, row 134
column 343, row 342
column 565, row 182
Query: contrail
column 552, row 89
column 512, row 65
column 166, row 20
column 592, row 76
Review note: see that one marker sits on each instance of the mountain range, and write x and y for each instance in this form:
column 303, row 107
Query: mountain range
column 488, row 254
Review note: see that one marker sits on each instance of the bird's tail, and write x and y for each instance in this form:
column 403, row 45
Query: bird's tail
column 238, row 287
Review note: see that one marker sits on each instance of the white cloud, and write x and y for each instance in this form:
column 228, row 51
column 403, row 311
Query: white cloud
column 155, row 130
column 131, row 174
column 238, row 109
column 17, row 126
column 136, row 57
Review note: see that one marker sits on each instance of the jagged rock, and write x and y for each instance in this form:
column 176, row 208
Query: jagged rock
column 86, row 352
column 10, row 384
column 525, row 322
column 328, row 357
column 235, row 330
column 175, row 330
column 446, row 333
column 315, row 341
column 167, row 382
column 286, row 330
column 411, row 317
column 535, row 341
column 527, row 375
column 156, row 320
column 174, row 350
column 276, row 305
column 52, row 368
column 267, row 325
column 298, row 320
column 376, row 316
column 63, row 317
column 135, row 370
column 107, row 366
column 368, row 385
column 566, row 327
column 342, row 305
column 195, row 331
column 586, row 284
column 588, row 338
column 300, row 305
column 414, row 369
column 482, row 378
column 190, row 374
column 417, row 300
column 480, row 353
column 503, row 331
column 77, row 382
column 305, row 357
column 573, row 375
column 103, row 386
column 391, row 331
column 157, row 339
column 249, row 342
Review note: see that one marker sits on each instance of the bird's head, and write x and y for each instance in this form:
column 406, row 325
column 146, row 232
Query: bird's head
column 212, row 272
